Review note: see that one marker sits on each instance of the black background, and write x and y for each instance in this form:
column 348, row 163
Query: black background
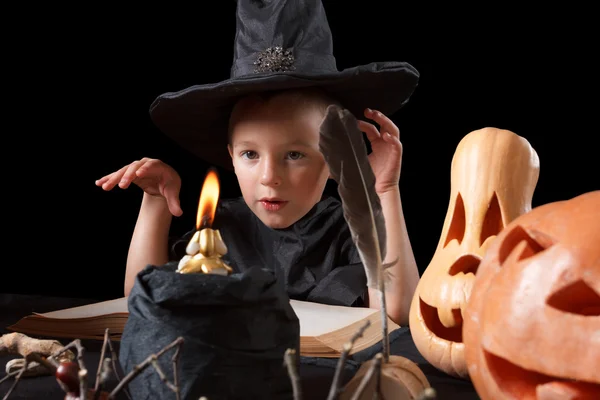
column 80, row 86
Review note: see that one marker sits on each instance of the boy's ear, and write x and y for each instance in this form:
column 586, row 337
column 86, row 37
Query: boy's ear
column 230, row 150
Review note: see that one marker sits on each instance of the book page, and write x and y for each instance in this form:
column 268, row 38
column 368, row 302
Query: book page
column 90, row 310
column 317, row 319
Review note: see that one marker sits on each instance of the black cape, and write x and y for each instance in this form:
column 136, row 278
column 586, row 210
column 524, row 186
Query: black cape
column 315, row 258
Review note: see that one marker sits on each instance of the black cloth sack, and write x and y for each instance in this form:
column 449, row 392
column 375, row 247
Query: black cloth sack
column 236, row 330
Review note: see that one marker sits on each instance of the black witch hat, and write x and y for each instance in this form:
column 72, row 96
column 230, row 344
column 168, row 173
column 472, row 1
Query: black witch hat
column 279, row 44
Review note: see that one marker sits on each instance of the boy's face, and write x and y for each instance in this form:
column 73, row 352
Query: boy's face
column 276, row 157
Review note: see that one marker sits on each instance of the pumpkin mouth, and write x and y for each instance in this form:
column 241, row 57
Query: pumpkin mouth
column 465, row 264
column 522, row 383
column 435, row 326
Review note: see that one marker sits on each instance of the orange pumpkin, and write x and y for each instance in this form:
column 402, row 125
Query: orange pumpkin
column 493, row 176
column 532, row 324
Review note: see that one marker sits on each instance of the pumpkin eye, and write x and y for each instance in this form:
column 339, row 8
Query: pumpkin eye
column 532, row 247
column 576, row 298
column 457, row 226
column 492, row 223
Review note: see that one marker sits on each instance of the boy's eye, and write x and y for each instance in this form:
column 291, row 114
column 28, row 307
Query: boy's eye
column 250, row 155
column 294, row 155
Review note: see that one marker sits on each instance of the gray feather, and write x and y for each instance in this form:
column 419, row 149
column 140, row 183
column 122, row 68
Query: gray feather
column 342, row 145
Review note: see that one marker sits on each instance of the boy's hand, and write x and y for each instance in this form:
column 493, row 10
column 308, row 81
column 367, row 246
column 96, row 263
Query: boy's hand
column 386, row 155
column 153, row 176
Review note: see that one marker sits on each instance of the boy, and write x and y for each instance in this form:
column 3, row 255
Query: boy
column 268, row 120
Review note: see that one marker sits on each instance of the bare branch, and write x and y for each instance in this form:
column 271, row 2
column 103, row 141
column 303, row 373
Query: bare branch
column 335, row 388
column 162, row 375
column 175, row 362
column 102, row 377
column 376, row 365
column 28, row 358
column 427, row 394
column 17, row 378
column 10, row 374
column 83, row 387
column 100, row 363
column 137, row 369
column 290, row 361
column 114, row 359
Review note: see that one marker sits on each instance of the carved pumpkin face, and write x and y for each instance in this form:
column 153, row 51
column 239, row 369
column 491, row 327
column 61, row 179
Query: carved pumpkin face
column 493, row 177
column 532, row 325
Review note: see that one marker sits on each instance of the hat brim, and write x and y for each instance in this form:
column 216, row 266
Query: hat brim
column 197, row 117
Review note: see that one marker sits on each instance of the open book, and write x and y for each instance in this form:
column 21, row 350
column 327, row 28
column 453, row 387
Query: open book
column 324, row 329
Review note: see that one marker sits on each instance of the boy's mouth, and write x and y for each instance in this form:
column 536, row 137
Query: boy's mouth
column 272, row 204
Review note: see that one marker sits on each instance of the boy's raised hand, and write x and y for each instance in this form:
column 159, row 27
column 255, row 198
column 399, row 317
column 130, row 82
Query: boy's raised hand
column 386, row 155
column 153, row 176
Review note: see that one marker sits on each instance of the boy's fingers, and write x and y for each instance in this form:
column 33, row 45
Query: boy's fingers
column 149, row 166
column 385, row 124
column 146, row 165
column 393, row 141
column 369, row 129
column 129, row 175
column 100, row 182
column 171, row 194
column 175, row 209
column 390, row 138
column 112, row 179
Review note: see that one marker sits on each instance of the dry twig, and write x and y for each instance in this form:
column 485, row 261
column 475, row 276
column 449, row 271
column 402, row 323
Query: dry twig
column 104, row 367
column 335, row 388
column 175, row 363
column 290, row 361
column 108, row 366
column 31, row 357
column 151, row 360
column 427, row 394
column 375, row 366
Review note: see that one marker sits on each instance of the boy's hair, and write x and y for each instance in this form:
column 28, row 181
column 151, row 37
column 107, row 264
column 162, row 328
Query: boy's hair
column 314, row 98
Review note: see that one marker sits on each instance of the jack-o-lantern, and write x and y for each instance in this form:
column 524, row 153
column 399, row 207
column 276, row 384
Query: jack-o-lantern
column 532, row 324
column 493, row 176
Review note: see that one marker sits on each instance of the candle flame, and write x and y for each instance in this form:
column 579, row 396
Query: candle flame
column 209, row 198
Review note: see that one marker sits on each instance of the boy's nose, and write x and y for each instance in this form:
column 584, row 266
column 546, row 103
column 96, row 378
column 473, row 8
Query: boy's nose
column 271, row 175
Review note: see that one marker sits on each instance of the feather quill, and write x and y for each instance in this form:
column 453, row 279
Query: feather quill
column 343, row 147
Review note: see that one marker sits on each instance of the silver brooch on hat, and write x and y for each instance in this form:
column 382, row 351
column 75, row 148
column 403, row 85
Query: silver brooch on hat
column 274, row 59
